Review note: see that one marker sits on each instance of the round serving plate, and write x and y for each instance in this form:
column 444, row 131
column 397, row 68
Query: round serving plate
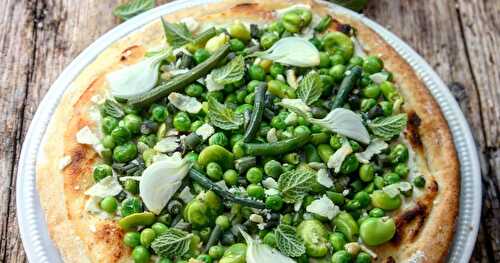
column 34, row 233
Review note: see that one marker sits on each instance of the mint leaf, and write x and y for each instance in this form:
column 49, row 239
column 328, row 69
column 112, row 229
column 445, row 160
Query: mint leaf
column 174, row 242
column 288, row 242
column 133, row 8
column 388, row 127
column 222, row 116
column 310, row 89
column 177, row 34
column 113, row 109
column 295, row 184
column 231, row 72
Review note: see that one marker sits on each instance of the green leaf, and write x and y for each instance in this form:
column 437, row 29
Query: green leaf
column 177, row 34
column 288, row 242
column 133, row 8
column 174, row 242
column 356, row 5
column 222, row 116
column 231, row 72
column 295, row 184
column 113, row 109
column 388, row 127
column 310, row 89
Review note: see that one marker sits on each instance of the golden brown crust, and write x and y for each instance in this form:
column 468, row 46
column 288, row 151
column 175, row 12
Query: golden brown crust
column 426, row 226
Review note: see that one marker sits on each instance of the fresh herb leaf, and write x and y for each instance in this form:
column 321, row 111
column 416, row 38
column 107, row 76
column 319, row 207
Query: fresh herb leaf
column 295, row 184
column 288, row 242
column 113, row 109
column 310, row 89
column 177, row 34
column 174, row 242
column 258, row 252
column 133, row 8
column 223, row 117
column 231, row 72
column 388, row 127
column 356, row 5
column 293, row 51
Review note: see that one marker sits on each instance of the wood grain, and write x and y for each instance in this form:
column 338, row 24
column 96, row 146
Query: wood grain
column 460, row 39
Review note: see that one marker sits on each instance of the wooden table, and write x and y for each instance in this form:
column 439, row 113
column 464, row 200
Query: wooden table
column 460, row 39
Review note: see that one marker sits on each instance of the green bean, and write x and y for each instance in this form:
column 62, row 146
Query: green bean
column 275, row 148
column 258, row 110
column 346, row 86
column 137, row 219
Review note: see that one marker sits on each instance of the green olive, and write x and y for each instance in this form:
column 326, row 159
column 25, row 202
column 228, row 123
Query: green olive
column 345, row 224
column 382, row 200
column 234, row 254
column 378, row 230
column 314, row 234
column 338, row 41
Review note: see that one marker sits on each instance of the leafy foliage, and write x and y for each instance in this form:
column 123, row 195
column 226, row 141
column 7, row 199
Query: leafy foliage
column 295, row 184
column 222, row 116
column 174, row 242
column 388, row 127
column 133, row 8
column 288, row 242
column 309, row 89
column 176, row 34
column 231, row 72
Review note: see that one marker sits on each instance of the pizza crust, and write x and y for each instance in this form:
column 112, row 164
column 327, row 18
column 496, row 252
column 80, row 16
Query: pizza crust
column 425, row 230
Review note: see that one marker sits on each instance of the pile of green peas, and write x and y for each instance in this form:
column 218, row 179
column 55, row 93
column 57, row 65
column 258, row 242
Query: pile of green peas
column 364, row 204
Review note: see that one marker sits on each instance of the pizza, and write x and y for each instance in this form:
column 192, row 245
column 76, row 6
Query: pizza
column 249, row 131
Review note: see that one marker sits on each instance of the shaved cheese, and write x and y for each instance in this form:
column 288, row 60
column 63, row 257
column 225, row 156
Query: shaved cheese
column 297, row 205
column 271, row 191
column 184, row 103
column 393, row 190
column 323, row 178
column 256, row 218
column 167, row 145
column 291, row 79
column 271, row 135
column 339, row 156
column 295, row 105
column 205, row 131
column 417, row 257
column 379, row 77
column 185, row 195
column 323, row 207
column 86, row 136
column 291, row 118
column 65, row 161
column 375, row 147
column 212, row 85
column 269, row 183
column 108, row 186
column 125, row 178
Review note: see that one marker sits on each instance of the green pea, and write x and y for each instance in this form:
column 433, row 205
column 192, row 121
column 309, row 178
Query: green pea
column 216, row 252
column 200, row 55
column 131, row 205
column 314, row 235
column 338, row 42
column 194, row 90
column 107, row 155
column 277, row 88
column 324, row 60
column 236, row 45
column 276, row 69
column 239, row 30
column 254, row 175
column 278, row 122
column 214, row 171
column 109, row 124
column 382, row 200
column 238, row 150
column 159, row 113
column 274, row 202
column 204, row 258
column 132, row 239
column 301, row 130
column 132, row 123
column 337, row 72
column 367, row 104
column 140, row 254
column 399, row 154
column 223, row 221
column 270, row 239
column 218, row 95
column 108, row 142
column 365, row 81
column 388, row 90
column 147, row 236
column 182, row 122
column 268, row 39
column 273, row 168
column 341, row 256
column 373, row 64
column 249, row 98
column 234, row 254
column 337, row 59
column 230, row 177
column 337, row 241
column 159, row 228
column 218, row 138
column 124, row 153
column 391, row 178
column 345, row 224
column 101, row 171
column 379, row 182
column 120, row 135
column 349, row 165
column 255, row 190
column 386, row 107
column 419, row 181
column 337, row 198
column 356, row 61
column 363, row 198
column 376, row 231
column 256, row 72
column 366, row 172
column 109, row 204
column 363, row 257
column 291, row 22
column 376, row 212
column 371, row 91
column 325, row 151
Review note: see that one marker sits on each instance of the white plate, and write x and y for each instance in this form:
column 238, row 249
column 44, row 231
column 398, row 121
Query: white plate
column 36, row 241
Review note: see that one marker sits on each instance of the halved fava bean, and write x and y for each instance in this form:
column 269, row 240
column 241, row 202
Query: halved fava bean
column 137, row 219
column 376, row 231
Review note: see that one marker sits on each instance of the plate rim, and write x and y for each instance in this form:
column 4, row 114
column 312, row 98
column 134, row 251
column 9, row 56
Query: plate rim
column 33, row 229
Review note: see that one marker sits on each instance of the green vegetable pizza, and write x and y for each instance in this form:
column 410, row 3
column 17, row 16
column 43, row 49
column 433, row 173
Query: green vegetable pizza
column 257, row 132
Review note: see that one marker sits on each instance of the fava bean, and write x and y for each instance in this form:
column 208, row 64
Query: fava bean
column 376, row 231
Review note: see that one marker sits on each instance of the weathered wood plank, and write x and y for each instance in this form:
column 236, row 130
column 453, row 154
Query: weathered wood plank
column 16, row 51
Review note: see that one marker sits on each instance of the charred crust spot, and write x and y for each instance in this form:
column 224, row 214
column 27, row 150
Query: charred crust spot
column 245, row 5
column 344, row 28
column 112, row 236
column 433, row 187
column 416, row 214
column 390, row 260
column 412, row 134
column 127, row 52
